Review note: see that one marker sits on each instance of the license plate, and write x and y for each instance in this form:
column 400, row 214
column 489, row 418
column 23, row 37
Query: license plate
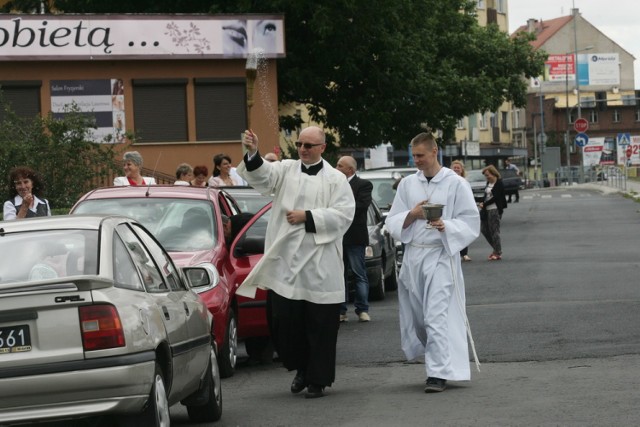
column 15, row 339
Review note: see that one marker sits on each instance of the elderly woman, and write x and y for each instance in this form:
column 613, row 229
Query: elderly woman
column 25, row 191
column 132, row 162
column 491, row 211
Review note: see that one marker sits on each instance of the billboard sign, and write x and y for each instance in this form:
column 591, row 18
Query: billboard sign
column 108, row 37
column 598, row 69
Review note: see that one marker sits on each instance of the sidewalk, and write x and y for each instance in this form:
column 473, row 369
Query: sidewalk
column 630, row 188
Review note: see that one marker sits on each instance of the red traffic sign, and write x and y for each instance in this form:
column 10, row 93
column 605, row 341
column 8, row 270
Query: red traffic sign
column 629, row 152
column 581, row 125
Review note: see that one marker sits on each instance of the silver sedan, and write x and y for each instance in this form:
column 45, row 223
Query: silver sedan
column 95, row 319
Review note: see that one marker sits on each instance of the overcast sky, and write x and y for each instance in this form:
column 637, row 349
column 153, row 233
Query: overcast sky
column 617, row 19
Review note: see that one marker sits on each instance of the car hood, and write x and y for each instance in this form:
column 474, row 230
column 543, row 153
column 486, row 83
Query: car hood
column 189, row 259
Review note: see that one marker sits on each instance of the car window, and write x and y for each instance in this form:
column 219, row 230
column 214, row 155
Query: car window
column 180, row 225
column 125, row 273
column 228, row 205
column 259, row 228
column 167, row 269
column 32, row 256
column 383, row 192
column 142, row 259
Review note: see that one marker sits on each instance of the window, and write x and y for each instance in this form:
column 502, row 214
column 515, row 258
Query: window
column 573, row 115
column 616, row 116
column 588, row 102
column 460, row 124
column 482, row 123
column 638, row 115
column 124, row 272
column 493, row 120
column 160, row 110
column 22, row 96
column 500, row 5
column 505, row 121
column 628, row 100
column 171, row 275
column 221, row 108
column 142, row 260
column 480, row 4
column 593, row 116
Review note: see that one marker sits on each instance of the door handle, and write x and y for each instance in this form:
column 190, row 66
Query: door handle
column 166, row 313
column 186, row 308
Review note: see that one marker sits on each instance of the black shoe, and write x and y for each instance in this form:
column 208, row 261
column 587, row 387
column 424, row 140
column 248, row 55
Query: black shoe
column 298, row 383
column 313, row 391
column 435, row 385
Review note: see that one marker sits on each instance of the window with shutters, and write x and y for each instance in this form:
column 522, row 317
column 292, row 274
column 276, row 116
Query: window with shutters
column 23, row 97
column 160, row 110
column 221, row 109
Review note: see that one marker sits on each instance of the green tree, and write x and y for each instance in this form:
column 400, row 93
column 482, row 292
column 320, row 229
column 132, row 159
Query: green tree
column 60, row 150
column 380, row 70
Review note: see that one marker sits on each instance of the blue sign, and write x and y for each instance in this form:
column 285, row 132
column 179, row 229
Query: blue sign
column 582, row 139
column 624, row 138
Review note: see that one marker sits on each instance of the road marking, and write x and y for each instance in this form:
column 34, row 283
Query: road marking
column 566, row 196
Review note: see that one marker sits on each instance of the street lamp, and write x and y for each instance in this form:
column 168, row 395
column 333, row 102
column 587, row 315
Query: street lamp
column 566, row 82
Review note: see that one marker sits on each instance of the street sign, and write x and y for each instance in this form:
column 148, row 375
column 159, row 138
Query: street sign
column 582, row 139
column 542, row 138
column 581, row 125
column 629, row 152
column 624, row 138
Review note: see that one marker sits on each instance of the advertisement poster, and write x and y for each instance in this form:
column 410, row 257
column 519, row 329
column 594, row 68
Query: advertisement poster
column 559, row 68
column 108, row 37
column 102, row 99
column 598, row 69
column 592, row 152
column 634, row 146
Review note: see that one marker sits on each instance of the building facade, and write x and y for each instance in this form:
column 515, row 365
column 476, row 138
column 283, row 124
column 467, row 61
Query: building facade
column 587, row 76
column 186, row 86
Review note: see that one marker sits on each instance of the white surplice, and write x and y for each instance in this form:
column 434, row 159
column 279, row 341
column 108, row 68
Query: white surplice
column 297, row 264
column 431, row 286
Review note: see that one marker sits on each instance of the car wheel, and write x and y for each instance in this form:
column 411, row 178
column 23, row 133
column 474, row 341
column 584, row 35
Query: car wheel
column 229, row 351
column 156, row 413
column 376, row 285
column 211, row 395
column 259, row 348
column 391, row 282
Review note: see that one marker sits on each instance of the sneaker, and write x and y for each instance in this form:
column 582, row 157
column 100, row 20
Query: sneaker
column 363, row 317
column 344, row 318
column 435, row 385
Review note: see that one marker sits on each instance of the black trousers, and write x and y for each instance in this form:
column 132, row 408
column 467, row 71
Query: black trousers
column 305, row 336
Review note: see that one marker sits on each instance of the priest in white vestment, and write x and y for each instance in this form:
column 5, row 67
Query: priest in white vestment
column 431, row 293
column 313, row 206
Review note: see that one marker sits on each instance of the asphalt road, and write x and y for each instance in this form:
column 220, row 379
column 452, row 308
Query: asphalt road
column 556, row 324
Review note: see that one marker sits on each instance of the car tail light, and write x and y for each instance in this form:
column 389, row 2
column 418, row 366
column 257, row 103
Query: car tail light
column 101, row 327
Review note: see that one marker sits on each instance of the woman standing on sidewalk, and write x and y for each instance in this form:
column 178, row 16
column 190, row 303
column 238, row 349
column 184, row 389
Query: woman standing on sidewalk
column 491, row 211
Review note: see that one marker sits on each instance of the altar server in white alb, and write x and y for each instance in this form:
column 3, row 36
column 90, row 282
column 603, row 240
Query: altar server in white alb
column 313, row 206
column 433, row 321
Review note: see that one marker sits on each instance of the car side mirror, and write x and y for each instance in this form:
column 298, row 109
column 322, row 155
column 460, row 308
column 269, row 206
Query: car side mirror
column 201, row 278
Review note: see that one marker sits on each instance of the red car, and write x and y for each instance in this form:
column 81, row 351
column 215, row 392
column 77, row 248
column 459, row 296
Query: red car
column 187, row 222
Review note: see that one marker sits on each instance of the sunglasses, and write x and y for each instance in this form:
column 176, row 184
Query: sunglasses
column 306, row 145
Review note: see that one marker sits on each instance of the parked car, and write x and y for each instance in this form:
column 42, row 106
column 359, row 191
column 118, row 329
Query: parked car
column 380, row 254
column 512, row 181
column 478, row 182
column 97, row 320
column 383, row 180
column 187, row 222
